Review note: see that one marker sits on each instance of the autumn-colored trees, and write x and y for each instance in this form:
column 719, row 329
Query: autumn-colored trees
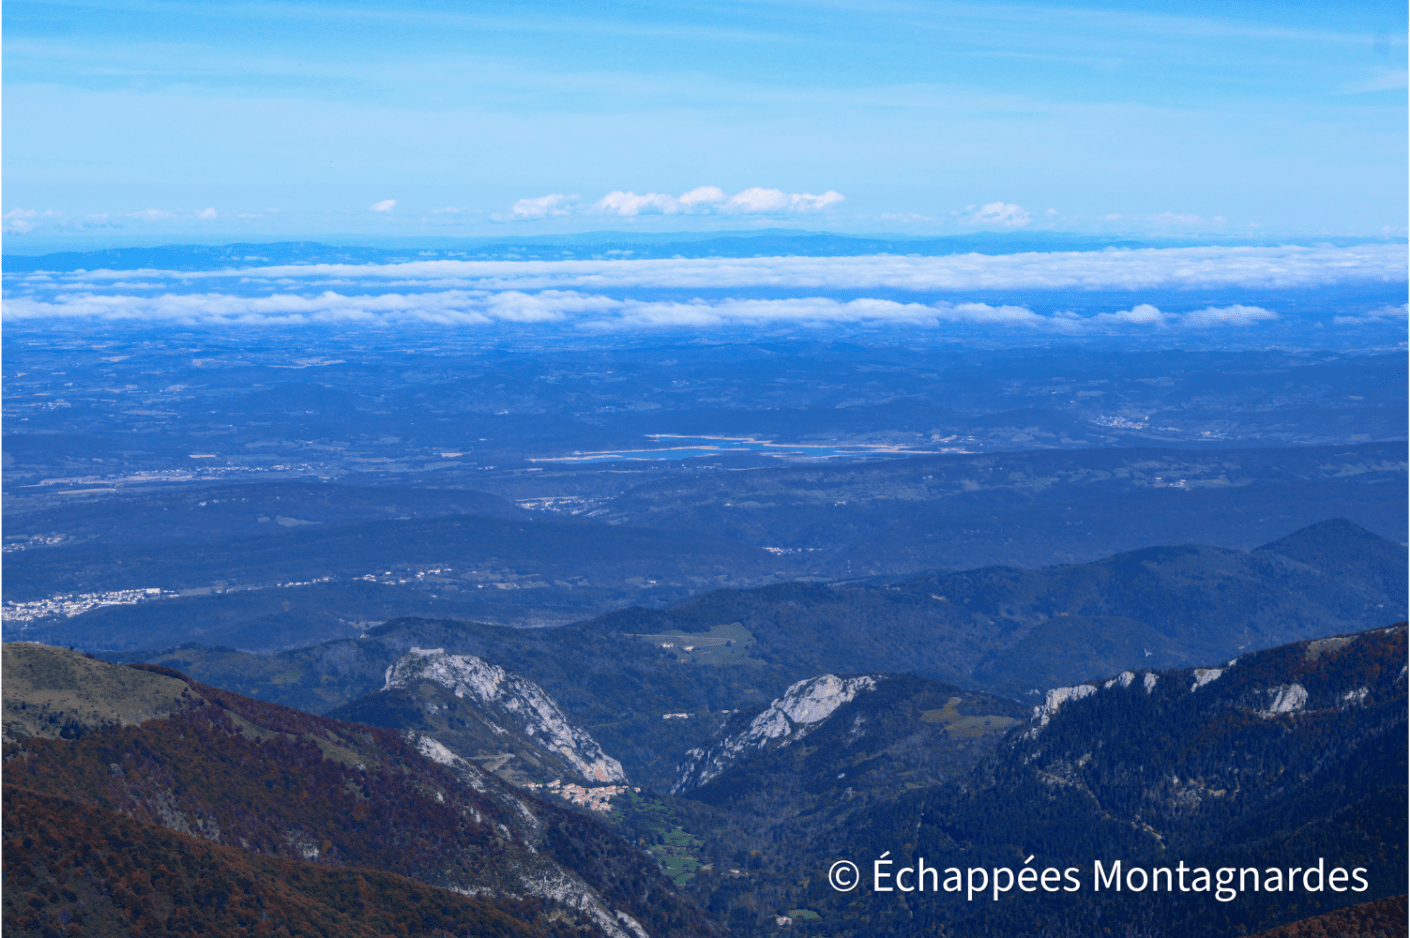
column 76, row 869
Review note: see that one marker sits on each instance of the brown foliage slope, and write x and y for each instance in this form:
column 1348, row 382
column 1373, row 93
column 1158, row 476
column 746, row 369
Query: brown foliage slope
column 77, row 869
column 287, row 784
column 1380, row 918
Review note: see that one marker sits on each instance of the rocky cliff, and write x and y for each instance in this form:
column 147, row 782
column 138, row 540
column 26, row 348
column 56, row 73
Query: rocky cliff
column 483, row 712
column 786, row 720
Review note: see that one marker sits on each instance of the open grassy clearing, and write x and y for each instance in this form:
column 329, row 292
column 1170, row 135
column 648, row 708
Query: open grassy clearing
column 723, row 644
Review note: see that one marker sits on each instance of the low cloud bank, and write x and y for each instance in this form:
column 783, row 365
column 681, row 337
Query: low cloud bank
column 589, row 312
column 1282, row 267
column 595, row 294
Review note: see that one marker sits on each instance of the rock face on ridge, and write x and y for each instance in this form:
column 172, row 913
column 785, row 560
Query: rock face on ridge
column 504, row 722
column 787, row 720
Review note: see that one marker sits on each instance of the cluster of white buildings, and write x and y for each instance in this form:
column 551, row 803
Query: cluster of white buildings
column 72, row 604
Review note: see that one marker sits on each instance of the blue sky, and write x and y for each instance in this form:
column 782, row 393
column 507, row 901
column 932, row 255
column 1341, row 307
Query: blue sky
column 155, row 122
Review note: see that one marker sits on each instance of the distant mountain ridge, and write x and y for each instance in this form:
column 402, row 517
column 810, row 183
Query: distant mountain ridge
column 1012, row 630
column 1003, row 630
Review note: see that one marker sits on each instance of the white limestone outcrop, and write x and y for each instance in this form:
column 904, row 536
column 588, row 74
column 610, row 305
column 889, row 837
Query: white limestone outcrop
column 1061, row 695
column 1204, row 676
column 802, row 708
column 509, row 700
column 1287, row 698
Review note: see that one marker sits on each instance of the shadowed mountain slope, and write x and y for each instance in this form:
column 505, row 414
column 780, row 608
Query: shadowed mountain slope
column 1288, row 758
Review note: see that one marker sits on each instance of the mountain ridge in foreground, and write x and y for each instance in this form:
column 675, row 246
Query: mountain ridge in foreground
column 285, row 785
column 1282, row 759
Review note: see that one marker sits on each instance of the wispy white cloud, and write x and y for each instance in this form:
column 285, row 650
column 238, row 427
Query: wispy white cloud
column 545, row 206
column 1001, row 214
column 758, row 201
column 999, row 315
column 1171, row 218
column 712, row 199
column 386, row 205
column 1380, row 314
column 206, row 214
column 598, row 295
column 812, row 310
column 629, row 203
column 1142, row 314
column 656, row 203
column 1392, row 79
column 1227, row 316
column 1146, row 315
column 20, row 221
column 907, row 218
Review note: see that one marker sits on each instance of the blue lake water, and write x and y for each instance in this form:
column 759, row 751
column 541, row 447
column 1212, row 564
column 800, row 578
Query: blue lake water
column 692, row 447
